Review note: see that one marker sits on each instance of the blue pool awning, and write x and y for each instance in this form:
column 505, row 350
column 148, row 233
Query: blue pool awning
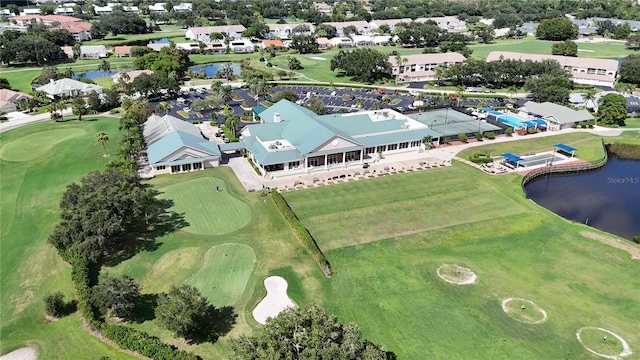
column 513, row 158
column 564, row 147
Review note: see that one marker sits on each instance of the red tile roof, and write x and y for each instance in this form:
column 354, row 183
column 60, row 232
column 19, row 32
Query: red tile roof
column 276, row 43
column 47, row 18
column 122, row 50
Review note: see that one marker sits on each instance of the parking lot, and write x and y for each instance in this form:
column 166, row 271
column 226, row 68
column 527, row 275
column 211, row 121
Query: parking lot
column 337, row 100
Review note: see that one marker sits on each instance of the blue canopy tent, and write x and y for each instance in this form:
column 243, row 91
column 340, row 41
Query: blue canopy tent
column 566, row 148
column 512, row 158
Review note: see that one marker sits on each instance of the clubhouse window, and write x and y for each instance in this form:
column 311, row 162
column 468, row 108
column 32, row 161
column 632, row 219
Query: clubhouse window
column 197, row 166
column 416, row 143
column 294, row 165
column 175, row 168
column 313, row 161
column 160, row 167
column 382, row 148
column 404, row 145
column 186, row 167
column 392, row 147
column 369, row 150
column 332, row 159
column 352, row 156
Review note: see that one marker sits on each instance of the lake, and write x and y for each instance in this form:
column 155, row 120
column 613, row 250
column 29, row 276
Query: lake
column 212, row 69
column 94, row 74
column 607, row 198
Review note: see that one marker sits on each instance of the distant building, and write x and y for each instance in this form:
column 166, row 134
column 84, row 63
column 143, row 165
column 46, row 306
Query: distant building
column 10, row 100
column 202, row 33
column 158, row 8
column 421, row 67
column 241, row 46
column 341, row 42
column 216, row 47
column 558, row 117
column 130, row 75
column 284, row 31
column 79, row 29
column 277, row 44
column 93, row 52
column 449, row 23
column 122, row 51
column 182, row 7
column 361, row 26
column 588, row 71
column 323, row 43
column 375, row 24
column 68, row 87
column 175, row 146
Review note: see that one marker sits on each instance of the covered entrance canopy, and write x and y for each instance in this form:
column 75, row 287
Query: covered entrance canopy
column 233, row 146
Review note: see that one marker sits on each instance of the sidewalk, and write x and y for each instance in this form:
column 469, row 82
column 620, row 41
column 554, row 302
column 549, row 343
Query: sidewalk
column 25, row 119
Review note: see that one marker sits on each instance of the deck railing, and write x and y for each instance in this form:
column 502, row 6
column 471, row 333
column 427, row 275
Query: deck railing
column 564, row 169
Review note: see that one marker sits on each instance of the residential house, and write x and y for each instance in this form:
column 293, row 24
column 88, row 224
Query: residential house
column 10, row 100
column 122, row 51
column 528, row 28
column 176, row 146
column 93, row 52
column 422, row 67
column 361, row 26
column 130, row 75
column 29, row 12
column 375, row 24
column 323, row 7
column 64, row 10
column 6, row 13
column 157, row 46
column 158, row 8
column 202, row 33
column 68, row 50
column 68, row 87
column 81, row 31
column 284, row 31
column 102, row 10
column 558, row 117
column 341, row 42
column 241, row 46
column 588, row 71
column 362, row 40
column 449, row 23
column 292, row 139
column 190, row 47
column 383, row 40
column 182, row 7
column 323, row 43
column 277, row 44
column 49, row 20
column 216, row 47
column 131, row 9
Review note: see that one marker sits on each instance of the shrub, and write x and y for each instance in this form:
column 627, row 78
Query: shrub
column 636, row 239
column 254, row 166
column 462, row 137
column 480, row 158
column 490, row 135
column 303, row 234
column 144, row 344
column 54, row 304
column 478, row 135
column 446, row 140
column 508, row 131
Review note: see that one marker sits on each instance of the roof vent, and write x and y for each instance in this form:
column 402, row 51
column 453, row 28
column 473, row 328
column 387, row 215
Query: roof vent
column 276, row 117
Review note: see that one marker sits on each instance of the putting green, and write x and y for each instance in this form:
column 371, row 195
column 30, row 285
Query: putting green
column 224, row 273
column 33, row 146
column 208, row 212
column 603, row 343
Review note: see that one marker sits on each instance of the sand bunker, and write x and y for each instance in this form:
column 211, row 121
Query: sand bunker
column 456, row 274
column 25, row 353
column 524, row 310
column 275, row 301
column 317, row 58
column 626, row 349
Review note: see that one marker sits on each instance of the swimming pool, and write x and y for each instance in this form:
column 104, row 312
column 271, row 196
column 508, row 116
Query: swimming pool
column 513, row 121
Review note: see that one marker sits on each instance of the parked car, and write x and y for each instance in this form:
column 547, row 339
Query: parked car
column 187, row 109
column 381, row 90
column 303, row 92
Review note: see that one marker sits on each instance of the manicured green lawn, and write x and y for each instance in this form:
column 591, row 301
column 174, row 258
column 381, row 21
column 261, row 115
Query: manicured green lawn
column 589, row 146
column 210, row 212
column 224, row 273
column 37, row 162
column 532, row 45
column 391, row 289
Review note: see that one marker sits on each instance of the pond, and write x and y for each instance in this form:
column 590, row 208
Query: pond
column 95, row 74
column 160, row 41
column 212, row 69
column 606, row 198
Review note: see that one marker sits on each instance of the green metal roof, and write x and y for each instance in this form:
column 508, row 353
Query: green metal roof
column 176, row 140
column 354, row 125
column 396, row 137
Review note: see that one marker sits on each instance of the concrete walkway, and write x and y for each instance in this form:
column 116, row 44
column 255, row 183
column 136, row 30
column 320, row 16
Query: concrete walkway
column 18, row 119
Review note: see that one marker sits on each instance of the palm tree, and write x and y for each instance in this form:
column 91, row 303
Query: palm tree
column 398, row 59
column 428, row 141
column 105, row 66
column 227, row 71
column 102, row 138
column 215, row 86
column 232, row 122
column 589, row 96
column 225, row 93
column 163, row 107
column 53, row 108
column 440, row 73
column 264, row 88
column 512, row 91
column 78, row 107
column 68, row 73
column 459, row 94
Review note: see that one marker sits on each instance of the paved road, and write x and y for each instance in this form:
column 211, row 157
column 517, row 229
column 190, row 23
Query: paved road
column 24, row 119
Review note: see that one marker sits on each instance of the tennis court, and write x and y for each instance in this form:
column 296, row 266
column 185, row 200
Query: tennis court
column 448, row 122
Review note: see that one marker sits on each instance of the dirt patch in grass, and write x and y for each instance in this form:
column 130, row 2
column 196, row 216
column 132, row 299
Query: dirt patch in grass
column 632, row 249
column 603, row 343
column 456, row 274
column 524, row 310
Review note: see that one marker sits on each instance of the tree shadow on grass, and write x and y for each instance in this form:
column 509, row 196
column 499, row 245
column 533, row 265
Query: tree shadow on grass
column 217, row 322
column 145, row 308
column 158, row 222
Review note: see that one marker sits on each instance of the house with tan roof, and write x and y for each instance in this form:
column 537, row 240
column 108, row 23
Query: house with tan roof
column 10, row 100
column 588, row 71
column 391, row 23
column 421, row 67
column 130, row 75
column 122, row 51
column 323, row 7
column 277, row 44
column 216, row 47
column 157, row 46
column 323, row 43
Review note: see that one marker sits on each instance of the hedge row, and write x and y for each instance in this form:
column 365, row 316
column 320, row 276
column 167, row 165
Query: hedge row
column 303, row 234
column 144, row 344
column 480, row 158
column 81, row 275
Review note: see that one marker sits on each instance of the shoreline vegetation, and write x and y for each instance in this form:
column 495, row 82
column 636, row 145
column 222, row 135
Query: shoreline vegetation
column 624, row 151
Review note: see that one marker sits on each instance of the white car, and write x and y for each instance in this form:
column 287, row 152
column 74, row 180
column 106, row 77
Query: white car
column 187, row 109
column 414, row 92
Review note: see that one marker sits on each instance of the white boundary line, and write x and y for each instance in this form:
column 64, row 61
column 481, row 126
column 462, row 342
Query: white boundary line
column 626, row 349
column 544, row 313
column 469, row 280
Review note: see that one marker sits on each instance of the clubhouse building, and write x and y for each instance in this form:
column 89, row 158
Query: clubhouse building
column 292, row 139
